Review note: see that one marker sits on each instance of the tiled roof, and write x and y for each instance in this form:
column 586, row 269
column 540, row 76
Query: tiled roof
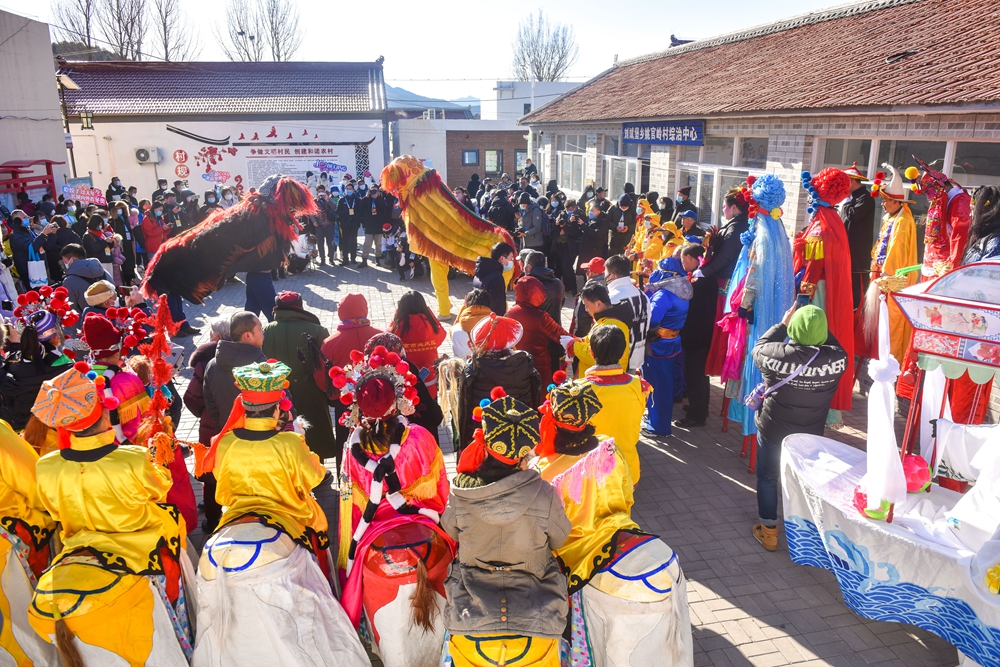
column 867, row 55
column 149, row 88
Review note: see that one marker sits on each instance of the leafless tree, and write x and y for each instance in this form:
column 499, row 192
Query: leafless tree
column 543, row 51
column 123, row 25
column 75, row 20
column 244, row 32
column 172, row 37
column 281, row 26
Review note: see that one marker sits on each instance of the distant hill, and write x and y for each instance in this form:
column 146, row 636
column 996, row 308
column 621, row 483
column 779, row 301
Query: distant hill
column 473, row 102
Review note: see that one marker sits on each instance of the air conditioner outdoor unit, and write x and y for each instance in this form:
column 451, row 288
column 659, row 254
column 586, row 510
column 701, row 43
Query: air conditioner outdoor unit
column 147, row 155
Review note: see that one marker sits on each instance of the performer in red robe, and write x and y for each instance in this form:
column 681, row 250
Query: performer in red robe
column 822, row 263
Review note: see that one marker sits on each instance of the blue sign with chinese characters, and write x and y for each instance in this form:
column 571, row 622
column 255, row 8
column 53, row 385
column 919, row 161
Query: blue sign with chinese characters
column 677, row 133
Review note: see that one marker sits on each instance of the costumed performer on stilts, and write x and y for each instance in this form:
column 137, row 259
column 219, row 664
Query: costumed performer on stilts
column 118, row 585
column 26, row 529
column 506, row 594
column 628, row 599
column 669, row 293
column 393, row 489
column 440, row 227
column 264, row 582
column 821, row 259
column 769, row 287
column 895, row 248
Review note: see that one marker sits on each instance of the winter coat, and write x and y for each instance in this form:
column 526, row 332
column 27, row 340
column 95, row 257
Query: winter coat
column 22, row 238
column 800, row 406
column 154, row 232
column 20, row 382
column 623, row 291
column 421, row 343
column 700, row 323
column 283, row 338
column 726, row 247
column 619, row 240
column 595, row 238
column 194, row 395
column 513, row 370
column 582, row 321
column 374, row 213
column 348, row 337
column 80, row 275
column 219, row 389
column 501, row 213
column 683, row 207
column 505, row 579
column 427, row 412
column 858, row 214
column 555, row 291
column 539, row 331
column 349, row 213
column 97, row 248
column 114, row 194
column 534, row 224
column 489, row 276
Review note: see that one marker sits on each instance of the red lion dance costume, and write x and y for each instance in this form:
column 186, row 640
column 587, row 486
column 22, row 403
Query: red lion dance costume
column 821, row 257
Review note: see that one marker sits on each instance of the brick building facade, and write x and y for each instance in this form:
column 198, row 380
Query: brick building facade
column 510, row 148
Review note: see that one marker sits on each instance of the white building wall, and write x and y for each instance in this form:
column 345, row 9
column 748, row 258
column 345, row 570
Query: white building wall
column 511, row 96
column 242, row 161
column 31, row 127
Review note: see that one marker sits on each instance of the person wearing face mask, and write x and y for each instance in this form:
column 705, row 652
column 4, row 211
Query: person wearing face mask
column 154, row 228
column 532, row 222
column 122, row 228
column 189, row 210
column 621, row 220
column 161, row 190
column 132, row 198
column 227, row 198
column 326, row 225
column 116, row 191
column 22, row 239
column 374, row 214
column 724, row 249
column 211, row 204
column 349, row 216
column 683, row 203
column 595, row 235
column 489, row 275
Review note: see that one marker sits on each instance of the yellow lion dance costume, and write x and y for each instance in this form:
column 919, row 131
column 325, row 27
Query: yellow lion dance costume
column 437, row 225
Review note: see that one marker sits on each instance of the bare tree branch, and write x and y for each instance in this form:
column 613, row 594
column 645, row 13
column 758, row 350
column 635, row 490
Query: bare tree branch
column 76, row 21
column 244, row 37
column 543, row 51
column 172, row 37
column 281, row 23
column 123, row 25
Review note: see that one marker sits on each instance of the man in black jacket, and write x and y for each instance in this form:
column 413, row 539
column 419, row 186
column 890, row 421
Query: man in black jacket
column 116, row 191
column 683, row 203
column 696, row 340
column 858, row 214
column 489, row 275
column 326, row 225
column 160, row 191
column 621, row 220
column 349, row 216
column 247, row 336
column 374, row 214
column 799, row 406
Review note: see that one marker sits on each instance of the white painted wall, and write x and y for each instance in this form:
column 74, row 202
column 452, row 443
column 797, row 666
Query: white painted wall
column 427, row 139
column 31, row 124
column 511, row 96
column 109, row 150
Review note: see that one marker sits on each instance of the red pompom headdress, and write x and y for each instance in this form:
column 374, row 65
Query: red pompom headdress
column 376, row 387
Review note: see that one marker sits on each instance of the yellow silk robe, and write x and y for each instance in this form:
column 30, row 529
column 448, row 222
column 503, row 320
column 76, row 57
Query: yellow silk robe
column 901, row 252
column 272, row 478
column 623, row 400
column 114, row 506
column 603, row 510
column 581, row 348
column 18, row 495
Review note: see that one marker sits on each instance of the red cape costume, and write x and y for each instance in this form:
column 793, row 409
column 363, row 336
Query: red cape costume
column 823, row 252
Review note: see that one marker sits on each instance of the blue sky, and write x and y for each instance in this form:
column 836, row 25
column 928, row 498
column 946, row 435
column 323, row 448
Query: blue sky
column 464, row 46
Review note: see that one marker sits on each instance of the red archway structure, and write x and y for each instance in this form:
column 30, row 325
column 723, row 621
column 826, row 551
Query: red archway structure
column 19, row 176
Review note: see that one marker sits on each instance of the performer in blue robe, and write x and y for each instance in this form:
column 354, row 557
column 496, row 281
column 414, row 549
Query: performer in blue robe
column 669, row 292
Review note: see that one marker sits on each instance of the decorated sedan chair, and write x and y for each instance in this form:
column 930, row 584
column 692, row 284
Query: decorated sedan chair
column 264, row 575
column 628, row 598
column 913, row 533
column 115, row 594
column 393, row 555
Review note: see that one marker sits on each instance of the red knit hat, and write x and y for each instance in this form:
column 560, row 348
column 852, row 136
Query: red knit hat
column 529, row 290
column 103, row 337
column 288, row 299
column 352, row 307
column 493, row 333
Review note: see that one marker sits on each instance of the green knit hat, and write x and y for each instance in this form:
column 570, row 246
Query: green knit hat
column 808, row 326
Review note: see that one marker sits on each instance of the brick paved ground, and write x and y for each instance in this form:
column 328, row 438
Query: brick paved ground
column 748, row 606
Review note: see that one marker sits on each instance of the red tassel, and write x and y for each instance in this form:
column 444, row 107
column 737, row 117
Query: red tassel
column 497, row 393
column 473, row 455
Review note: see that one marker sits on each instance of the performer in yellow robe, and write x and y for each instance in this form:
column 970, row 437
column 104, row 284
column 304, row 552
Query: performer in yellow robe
column 268, row 559
column 26, row 529
column 627, row 590
column 117, row 584
column 895, row 249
